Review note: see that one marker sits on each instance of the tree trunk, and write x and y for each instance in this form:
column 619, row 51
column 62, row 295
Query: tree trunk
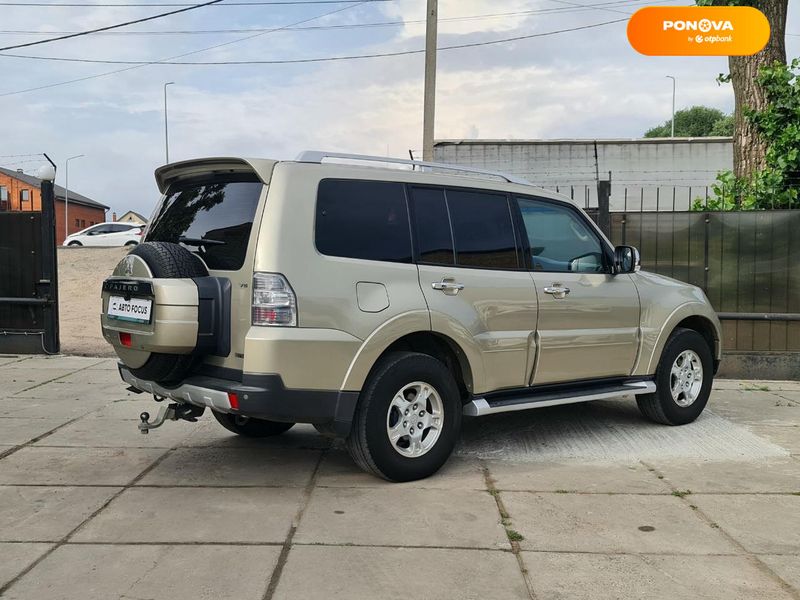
column 748, row 147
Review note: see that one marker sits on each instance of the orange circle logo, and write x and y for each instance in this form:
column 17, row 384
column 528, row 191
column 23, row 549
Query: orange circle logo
column 698, row 31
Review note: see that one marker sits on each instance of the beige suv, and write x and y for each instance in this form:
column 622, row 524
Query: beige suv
column 382, row 299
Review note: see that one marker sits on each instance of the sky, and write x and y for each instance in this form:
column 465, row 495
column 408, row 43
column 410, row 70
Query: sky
column 581, row 84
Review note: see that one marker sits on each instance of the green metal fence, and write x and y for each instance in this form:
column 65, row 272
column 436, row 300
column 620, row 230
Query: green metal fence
column 747, row 262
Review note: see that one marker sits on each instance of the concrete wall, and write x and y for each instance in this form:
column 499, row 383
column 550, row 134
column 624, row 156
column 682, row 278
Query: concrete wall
column 654, row 166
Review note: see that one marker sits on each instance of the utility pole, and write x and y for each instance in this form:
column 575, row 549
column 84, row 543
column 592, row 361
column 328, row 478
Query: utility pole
column 166, row 123
column 430, row 80
column 673, row 104
column 66, row 196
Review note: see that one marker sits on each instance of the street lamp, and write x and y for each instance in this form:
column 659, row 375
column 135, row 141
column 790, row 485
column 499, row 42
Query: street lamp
column 166, row 125
column 66, row 195
column 673, row 104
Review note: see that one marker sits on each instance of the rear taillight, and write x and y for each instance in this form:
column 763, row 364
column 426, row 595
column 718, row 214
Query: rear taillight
column 274, row 302
column 140, row 232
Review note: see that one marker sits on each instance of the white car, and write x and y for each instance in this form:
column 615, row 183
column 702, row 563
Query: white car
column 107, row 234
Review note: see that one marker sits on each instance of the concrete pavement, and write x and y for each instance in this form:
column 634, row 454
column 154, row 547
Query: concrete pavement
column 584, row 501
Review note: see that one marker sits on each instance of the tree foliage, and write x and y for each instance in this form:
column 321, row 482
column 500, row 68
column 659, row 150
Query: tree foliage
column 778, row 183
column 697, row 121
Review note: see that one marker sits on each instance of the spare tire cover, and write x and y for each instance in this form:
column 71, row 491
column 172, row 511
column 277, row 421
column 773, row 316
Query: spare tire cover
column 167, row 261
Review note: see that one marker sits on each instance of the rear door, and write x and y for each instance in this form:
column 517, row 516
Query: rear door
column 473, row 279
column 588, row 317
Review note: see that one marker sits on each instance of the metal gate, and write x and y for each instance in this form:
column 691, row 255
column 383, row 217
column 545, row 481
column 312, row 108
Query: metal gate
column 28, row 280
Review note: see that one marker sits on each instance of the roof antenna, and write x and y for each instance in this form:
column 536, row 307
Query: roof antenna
column 411, row 154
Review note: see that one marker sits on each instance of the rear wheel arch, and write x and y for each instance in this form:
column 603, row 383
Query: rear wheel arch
column 441, row 348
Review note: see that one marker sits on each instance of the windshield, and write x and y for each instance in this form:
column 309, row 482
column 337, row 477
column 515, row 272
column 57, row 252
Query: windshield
column 211, row 218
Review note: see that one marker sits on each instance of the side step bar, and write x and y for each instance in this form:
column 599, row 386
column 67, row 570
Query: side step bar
column 481, row 406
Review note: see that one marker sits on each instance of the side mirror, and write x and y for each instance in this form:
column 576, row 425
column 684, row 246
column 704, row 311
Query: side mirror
column 626, row 259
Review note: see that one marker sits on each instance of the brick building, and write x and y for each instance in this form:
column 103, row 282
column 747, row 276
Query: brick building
column 22, row 192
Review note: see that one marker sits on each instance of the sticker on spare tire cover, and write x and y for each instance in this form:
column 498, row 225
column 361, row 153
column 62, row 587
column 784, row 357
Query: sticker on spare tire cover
column 136, row 310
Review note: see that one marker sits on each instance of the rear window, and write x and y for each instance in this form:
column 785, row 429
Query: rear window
column 363, row 219
column 210, row 218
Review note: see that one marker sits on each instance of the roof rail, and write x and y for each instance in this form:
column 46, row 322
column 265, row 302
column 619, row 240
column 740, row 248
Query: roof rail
column 316, row 156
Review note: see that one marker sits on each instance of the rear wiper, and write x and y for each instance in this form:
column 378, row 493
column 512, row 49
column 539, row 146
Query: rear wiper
column 190, row 241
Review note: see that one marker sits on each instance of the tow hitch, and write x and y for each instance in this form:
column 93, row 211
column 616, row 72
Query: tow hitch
column 171, row 412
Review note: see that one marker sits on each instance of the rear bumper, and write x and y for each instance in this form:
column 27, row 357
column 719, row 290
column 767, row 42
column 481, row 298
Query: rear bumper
column 259, row 396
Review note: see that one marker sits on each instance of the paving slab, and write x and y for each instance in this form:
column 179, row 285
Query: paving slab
column 208, row 432
column 81, row 572
column 61, row 361
column 576, row 476
column 606, row 430
column 402, row 517
column 104, row 377
column 46, row 514
column 767, row 524
column 17, row 431
column 787, row 437
column 230, row 467
column 610, row 523
column 345, row 573
column 755, row 385
column 79, row 392
column 46, row 408
column 203, row 515
column 786, row 566
column 622, row 577
column 76, row 466
column 18, row 379
column 339, row 470
column 128, row 409
column 18, row 557
column 116, row 433
column 754, row 408
column 8, row 359
column 709, row 477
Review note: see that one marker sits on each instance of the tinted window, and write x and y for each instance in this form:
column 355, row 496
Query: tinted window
column 432, row 226
column 484, row 235
column 220, row 210
column 560, row 239
column 363, row 219
column 119, row 228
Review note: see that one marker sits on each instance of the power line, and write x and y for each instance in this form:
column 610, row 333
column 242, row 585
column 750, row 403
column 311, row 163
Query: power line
column 106, row 28
column 138, row 66
column 480, row 17
column 172, row 4
column 315, row 59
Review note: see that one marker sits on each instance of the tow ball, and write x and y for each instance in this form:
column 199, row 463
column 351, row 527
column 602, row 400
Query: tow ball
column 171, row 412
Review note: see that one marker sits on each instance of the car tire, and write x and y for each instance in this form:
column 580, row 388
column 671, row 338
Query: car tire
column 385, row 440
column 74, row 244
column 167, row 260
column 683, row 380
column 249, row 426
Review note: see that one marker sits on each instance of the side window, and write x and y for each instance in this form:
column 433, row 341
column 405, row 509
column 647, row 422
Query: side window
column 560, row 241
column 482, row 229
column 432, row 226
column 362, row 219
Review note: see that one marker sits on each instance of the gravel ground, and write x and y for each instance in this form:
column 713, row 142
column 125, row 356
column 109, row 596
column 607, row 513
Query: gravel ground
column 81, row 272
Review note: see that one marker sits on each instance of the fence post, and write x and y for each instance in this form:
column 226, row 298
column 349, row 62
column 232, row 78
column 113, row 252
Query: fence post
column 48, row 285
column 603, row 205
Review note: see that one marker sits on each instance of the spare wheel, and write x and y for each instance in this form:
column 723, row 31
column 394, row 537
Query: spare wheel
column 160, row 352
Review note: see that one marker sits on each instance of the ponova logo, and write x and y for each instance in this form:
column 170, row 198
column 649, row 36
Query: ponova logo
column 704, row 25
column 698, row 30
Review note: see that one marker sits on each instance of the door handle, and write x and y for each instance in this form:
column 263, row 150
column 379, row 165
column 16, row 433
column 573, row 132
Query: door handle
column 447, row 286
column 557, row 291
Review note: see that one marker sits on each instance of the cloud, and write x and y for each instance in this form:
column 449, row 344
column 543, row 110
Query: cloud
column 584, row 84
